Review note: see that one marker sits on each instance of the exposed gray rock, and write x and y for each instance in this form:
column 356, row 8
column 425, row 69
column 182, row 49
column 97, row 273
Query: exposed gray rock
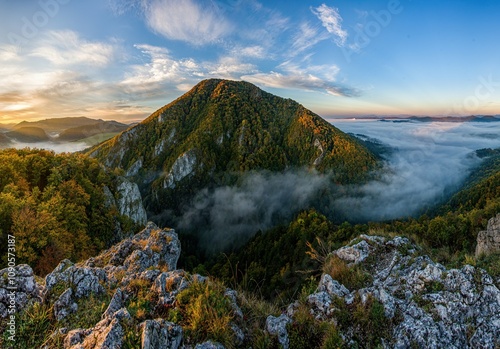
column 86, row 281
column 109, row 198
column 83, row 280
column 18, row 289
column 168, row 285
column 233, row 295
column 488, row 241
column 65, row 305
column 141, row 257
column 320, row 303
column 209, row 345
column 160, row 333
column 107, row 334
column 116, row 303
column 354, row 254
column 134, row 168
column 164, row 142
column 129, row 201
column 436, row 307
column 183, row 166
column 75, row 337
column 239, row 335
column 318, row 145
column 277, row 326
column 59, row 275
column 332, row 287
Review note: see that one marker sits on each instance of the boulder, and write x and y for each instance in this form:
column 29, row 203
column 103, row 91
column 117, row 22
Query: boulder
column 18, row 289
column 277, row 326
column 160, row 333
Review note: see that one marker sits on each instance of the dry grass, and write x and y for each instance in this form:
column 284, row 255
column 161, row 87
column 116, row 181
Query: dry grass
column 353, row 277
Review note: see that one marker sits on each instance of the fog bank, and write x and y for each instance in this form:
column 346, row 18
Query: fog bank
column 429, row 161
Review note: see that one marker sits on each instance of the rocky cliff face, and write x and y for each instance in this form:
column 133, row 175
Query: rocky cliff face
column 488, row 241
column 127, row 200
column 139, row 295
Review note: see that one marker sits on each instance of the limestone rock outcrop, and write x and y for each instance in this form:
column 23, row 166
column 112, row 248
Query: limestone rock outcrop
column 488, row 241
column 18, row 289
column 136, row 291
column 129, row 201
column 428, row 305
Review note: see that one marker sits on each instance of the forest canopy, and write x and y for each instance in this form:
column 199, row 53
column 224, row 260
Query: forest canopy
column 55, row 206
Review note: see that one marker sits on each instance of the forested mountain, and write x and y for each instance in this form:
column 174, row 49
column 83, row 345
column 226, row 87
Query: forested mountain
column 28, row 134
column 85, row 131
column 221, row 129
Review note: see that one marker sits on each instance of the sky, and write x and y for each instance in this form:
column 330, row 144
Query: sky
column 123, row 59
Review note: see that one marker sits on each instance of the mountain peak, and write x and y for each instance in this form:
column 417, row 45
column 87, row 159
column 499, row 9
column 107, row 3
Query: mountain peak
column 221, row 129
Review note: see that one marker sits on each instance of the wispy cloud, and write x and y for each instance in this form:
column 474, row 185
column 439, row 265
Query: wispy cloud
column 229, row 67
column 198, row 23
column 306, row 37
column 254, row 51
column 67, row 48
column 332, row 21
column 313, row 78
column 9, row 53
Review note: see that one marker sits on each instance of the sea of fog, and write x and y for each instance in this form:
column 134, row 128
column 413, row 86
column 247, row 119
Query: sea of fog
column 426, row 164
column 429, row 160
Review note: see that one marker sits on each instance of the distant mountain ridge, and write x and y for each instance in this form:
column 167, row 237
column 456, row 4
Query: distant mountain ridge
column 222, row 128
column 57, row 130
column 60, row 124
column 28, row 134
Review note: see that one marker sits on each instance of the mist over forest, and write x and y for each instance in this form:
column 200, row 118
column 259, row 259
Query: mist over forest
column 423, row 165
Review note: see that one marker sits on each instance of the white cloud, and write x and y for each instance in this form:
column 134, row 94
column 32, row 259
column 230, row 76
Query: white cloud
column 163, row 69
column 160, row 69
column 305, row 38
column 9, row 53
column 313, row 78
column 186, row 20
column 229, row 67
column 67, row 48
column 331, row 20
column 255, row 51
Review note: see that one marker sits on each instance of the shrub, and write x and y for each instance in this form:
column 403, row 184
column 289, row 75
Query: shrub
column 351, row 277
column 33, row 328
column 141, row 305
column 307, row 332
column 366, row 319
column 89, row 312
column 206, row 313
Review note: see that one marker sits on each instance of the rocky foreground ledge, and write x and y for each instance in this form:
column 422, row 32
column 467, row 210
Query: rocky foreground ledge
column 137, row 284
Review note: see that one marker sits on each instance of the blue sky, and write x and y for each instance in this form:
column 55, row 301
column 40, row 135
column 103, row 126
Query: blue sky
column 123, row 59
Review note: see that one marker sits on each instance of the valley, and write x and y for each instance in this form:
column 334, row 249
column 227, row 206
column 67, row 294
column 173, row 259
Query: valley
column 264, row 196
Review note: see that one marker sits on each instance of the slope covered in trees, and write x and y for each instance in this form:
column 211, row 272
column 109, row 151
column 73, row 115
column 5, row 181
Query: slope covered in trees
column 55, row 206
column 482, row 188
column 221, row 129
